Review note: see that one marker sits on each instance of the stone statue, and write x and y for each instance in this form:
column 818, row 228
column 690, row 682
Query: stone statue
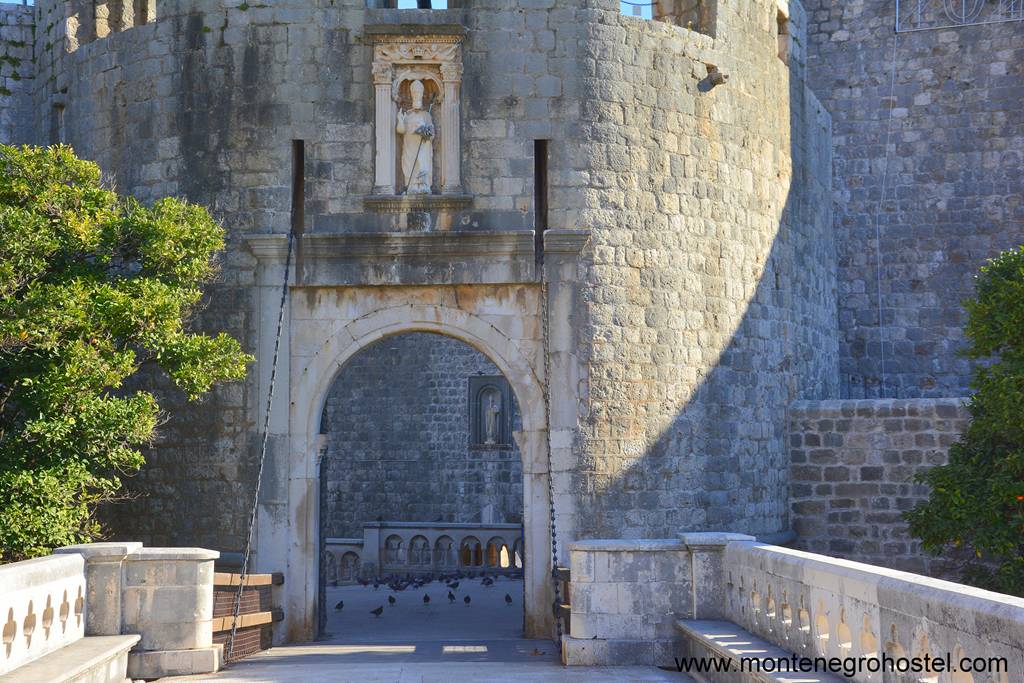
column 491, row 420
column 417, row 130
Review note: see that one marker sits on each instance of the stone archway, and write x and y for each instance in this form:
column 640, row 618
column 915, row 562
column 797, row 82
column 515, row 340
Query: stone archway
column 314, row 366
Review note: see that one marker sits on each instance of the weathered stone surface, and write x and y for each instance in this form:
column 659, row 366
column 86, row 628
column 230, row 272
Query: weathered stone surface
column 852, row 473
column 952, row 185
column 397, row 437
column 17, row 74
column 660, row 344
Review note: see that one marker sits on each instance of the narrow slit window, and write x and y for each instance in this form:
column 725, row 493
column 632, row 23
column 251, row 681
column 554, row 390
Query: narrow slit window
column 540, row 194
column 298, row 186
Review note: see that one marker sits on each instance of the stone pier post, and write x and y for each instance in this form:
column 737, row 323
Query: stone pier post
column 104, row 574
column 450, row 135
column 384, row 168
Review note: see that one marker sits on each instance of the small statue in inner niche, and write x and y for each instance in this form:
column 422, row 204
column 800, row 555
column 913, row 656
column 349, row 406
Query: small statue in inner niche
column 417, row 130
column 491, row 413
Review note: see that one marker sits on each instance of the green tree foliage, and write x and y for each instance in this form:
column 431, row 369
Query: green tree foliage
column 977, row 500
column 92, row 286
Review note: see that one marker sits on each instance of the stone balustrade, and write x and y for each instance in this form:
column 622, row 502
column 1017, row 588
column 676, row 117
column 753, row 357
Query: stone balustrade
column 422, row 548
column 820, row 606
column 42, row 608
column 108, row 611
column 626, row 596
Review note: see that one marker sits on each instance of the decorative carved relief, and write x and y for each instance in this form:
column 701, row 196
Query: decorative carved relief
column 415, row 51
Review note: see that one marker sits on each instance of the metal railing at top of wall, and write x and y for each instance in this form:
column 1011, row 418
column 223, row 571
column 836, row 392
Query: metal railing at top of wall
column 924, row 15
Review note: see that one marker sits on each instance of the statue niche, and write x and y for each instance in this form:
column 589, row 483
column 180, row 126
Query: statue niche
column 490, row 412
column 416, row 83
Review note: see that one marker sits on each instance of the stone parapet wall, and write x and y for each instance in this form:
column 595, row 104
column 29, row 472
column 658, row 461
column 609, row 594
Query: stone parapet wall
column 852, row 469
column 818, row 606
column 79, row 611
column 627, row 595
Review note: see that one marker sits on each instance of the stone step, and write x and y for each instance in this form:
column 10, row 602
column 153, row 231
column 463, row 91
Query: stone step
column 95, row 659
column 727, row 641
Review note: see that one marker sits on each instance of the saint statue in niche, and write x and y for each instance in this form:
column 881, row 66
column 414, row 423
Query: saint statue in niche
column 491, row 413
column 417, row 130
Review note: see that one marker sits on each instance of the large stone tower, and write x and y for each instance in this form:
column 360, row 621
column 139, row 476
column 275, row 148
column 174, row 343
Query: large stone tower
column 630, row 218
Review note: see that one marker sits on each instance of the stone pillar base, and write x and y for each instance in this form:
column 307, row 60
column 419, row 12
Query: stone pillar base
column 160, row 663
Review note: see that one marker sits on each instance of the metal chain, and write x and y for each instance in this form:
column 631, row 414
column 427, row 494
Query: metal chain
column 556, row 583
column 263, row 449
column 878, row 228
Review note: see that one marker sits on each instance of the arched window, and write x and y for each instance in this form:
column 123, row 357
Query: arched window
column 444, row 552
column 471, row 553
column 349, row 567
column 494, row 547
column 419, row 552
column 393, row 550
column 517, row 553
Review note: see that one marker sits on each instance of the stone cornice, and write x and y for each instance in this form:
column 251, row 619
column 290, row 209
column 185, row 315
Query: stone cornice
column 412, row 32
column 362, row 246
column 565, row 241
column 416, row 202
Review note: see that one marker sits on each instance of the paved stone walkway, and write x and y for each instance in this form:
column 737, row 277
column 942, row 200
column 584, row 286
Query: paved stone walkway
column 412, row 642
column 323, row 663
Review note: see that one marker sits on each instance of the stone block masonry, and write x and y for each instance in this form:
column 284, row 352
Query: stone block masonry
column 17, row 73
column 952, row 185
column 397, row 431
column 852, row 476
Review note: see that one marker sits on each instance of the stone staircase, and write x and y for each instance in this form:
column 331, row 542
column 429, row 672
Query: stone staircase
column 93, row 659
column 728, row 646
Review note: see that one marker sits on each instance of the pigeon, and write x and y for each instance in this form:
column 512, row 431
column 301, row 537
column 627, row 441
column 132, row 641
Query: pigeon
column 487, row 582
column 340, row 605
column 454, row 586
column 466, row 600
column 377, row 612
column 391, row 599
column 426, row 599
column 451, row 597
column 508, row 599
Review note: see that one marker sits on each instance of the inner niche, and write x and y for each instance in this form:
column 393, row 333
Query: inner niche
column 398, row 436
column 431, row 105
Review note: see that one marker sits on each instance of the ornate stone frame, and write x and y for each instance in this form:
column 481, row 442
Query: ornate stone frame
column 395, row 58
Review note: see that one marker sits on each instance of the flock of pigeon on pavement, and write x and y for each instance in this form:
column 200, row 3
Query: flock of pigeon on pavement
column 451, row 582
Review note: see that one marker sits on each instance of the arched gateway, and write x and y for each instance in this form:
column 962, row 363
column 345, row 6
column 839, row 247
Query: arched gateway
column 329, row 322
column 333, row 314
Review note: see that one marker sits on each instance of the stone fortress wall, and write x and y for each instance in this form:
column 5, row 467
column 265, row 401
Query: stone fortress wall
column 710, row 279
column 706, row 284
column 952, row 190
column 397, row 428
column 852, row 476
column 17, row 73
column 707, row 297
